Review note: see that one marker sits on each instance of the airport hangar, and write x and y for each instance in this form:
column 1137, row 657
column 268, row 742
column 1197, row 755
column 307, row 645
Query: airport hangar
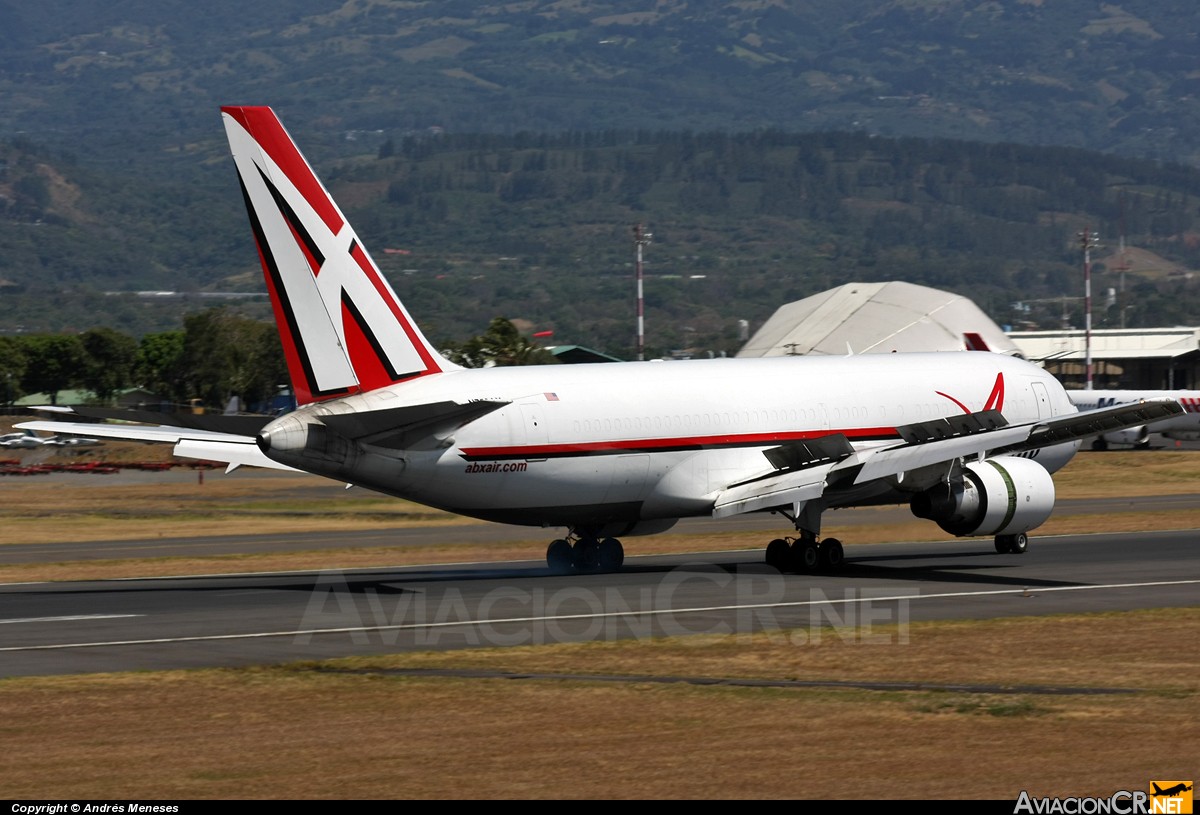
column 874, row 318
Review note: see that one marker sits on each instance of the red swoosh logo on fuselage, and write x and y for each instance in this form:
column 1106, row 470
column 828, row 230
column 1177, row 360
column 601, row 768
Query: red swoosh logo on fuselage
column 995, row 400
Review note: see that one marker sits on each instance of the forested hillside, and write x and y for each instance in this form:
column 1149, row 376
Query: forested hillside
column 148, row 75
column 537, row 227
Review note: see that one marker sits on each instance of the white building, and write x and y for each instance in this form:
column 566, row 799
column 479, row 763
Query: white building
column 1122, row 358
column 877, row 318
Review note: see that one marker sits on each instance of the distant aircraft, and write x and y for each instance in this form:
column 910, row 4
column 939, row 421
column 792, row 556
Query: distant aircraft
column 1185, row 427
column 1170, row 791
column 24, row 441
column 29, row 440
column 967, row 439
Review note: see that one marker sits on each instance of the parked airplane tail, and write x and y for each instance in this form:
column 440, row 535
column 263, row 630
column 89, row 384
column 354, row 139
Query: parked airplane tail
column 343, row 329
column 975, row 342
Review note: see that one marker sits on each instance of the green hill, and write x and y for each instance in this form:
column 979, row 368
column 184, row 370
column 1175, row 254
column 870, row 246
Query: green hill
column 537, row 227
column 143, row 74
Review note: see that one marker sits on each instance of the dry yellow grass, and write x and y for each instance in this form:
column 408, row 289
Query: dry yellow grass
column 348, row 729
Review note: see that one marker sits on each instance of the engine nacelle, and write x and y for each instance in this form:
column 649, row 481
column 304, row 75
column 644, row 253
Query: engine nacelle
column 1136, row 436
column 997, row 496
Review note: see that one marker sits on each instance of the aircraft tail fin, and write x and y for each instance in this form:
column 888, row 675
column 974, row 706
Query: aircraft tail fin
column 343, row 328
column 975, row 342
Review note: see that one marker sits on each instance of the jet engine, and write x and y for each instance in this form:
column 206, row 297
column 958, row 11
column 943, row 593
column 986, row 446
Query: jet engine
column 1136, row 436
column 997, row 496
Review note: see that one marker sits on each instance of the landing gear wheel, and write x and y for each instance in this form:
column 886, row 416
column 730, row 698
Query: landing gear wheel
column 1099, row 444
column 778, row 554
column 832, row 555
column 585, row 555
column 558, row 556
column 610, row 555
column 1012, row 544
column 805, row 556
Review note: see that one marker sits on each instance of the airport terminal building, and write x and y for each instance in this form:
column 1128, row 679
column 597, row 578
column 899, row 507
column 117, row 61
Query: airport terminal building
column 1124, row 358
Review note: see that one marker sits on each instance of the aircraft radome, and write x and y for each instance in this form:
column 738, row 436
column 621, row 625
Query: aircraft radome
column 969, row 440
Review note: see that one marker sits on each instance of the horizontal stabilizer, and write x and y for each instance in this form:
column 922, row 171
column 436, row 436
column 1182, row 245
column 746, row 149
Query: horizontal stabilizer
column 398, row 427
column 239, row 424
column 205, row 445
column 134, row 432
column 235, row 454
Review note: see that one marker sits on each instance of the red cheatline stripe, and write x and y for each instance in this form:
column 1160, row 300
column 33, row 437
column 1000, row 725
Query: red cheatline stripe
column 682, row 442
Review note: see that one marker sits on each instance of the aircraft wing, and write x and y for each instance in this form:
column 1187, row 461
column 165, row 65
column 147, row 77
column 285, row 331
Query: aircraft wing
column 806, row 471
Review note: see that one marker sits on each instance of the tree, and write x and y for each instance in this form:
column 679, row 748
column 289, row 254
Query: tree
column 109, row 366
column 501, row 344
column 55, row 363
column 159, row 366
column 12, row 368
column 226, row 354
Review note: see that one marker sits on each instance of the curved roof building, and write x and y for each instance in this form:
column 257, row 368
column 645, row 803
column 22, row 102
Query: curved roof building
column 878, row 318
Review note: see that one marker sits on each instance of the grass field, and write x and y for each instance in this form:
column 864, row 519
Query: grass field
column 356, row 729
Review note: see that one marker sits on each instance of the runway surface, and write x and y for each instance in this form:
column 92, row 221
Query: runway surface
column 116, row 625
column 482, row 532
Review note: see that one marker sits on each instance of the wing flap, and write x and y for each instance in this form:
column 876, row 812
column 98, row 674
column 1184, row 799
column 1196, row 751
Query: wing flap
column 782, row 490
column 799, row 454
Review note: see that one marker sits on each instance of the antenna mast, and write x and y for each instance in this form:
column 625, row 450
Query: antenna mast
column 1124, row 265
column 1087, row 242
column 640, row 239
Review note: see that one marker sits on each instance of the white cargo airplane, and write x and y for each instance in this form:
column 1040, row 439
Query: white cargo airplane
column 968, row 439
column 1185, row 427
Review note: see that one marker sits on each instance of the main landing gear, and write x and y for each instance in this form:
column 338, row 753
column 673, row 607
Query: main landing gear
column 805, row 554
column 584, row 554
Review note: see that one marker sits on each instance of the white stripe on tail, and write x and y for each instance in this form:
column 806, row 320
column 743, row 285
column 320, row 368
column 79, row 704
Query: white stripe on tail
column 343, row 328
